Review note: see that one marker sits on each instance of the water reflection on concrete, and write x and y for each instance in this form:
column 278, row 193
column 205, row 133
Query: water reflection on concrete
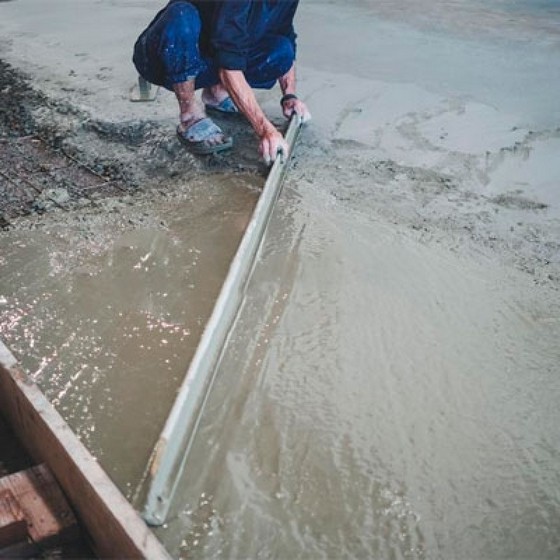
column 378, row 399
column 106, row 314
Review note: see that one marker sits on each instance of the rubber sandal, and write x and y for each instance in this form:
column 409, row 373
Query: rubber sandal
column 197, row 135
column 225, row 107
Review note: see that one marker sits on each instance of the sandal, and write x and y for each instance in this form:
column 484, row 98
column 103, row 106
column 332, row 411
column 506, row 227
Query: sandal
column 196, row 137
column 225, row 107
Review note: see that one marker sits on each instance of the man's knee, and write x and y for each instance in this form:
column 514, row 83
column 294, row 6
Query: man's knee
column 281, row 53
column 167, row 51
column 182, row 17
column 271, row 59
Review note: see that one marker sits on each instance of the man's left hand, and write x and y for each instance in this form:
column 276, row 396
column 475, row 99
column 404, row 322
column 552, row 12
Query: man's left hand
column 298, row 107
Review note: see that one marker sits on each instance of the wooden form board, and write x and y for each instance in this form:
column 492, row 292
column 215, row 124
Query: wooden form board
column 47, row 516
column 115, row 528
column 13, row 526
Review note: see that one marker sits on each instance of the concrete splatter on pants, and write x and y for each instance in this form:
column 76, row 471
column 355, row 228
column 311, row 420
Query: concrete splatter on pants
column 167, row 53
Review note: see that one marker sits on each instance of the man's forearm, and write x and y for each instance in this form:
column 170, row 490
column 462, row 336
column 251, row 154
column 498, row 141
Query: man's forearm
column 290, row 101
column 288, row 81
column 242, row 94
column 271, row 140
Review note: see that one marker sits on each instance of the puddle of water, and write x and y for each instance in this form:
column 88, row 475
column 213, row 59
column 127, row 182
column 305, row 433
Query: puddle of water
column 378, row 398
column 107, row 317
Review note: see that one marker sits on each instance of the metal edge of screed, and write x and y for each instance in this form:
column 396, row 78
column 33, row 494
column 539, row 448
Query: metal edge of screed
column 173, row 445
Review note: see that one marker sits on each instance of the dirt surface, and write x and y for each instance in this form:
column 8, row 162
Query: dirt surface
column 40, row 169
column 438, row 207
column 415, row 123
column 54, row 156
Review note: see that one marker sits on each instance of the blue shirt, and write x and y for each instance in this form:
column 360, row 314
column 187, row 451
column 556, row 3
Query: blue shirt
column 231, row 28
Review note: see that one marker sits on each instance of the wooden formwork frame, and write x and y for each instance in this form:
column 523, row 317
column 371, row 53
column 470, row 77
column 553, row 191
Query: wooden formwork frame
column 114, row 527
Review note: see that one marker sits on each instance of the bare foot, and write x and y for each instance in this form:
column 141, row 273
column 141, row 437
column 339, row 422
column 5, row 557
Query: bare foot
column 214, row 95
column 190, row 109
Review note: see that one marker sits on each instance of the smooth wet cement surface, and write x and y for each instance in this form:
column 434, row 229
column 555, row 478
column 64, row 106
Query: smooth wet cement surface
column 105, row 311
column 378, row 399
column 391, row 389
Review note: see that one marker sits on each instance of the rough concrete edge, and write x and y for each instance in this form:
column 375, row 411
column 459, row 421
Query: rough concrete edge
column 75, row 459
column 6, row 357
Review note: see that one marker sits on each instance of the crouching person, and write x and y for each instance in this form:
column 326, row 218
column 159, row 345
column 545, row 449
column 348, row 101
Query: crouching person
column 226, row 49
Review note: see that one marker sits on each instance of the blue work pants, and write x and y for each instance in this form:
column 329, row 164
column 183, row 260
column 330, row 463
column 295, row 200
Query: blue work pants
column 167, row 53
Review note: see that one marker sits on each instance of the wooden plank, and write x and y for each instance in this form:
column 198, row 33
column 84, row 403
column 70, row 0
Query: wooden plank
column 12, row 456
column 115, row 528
column 13, row 526
column 48, row 515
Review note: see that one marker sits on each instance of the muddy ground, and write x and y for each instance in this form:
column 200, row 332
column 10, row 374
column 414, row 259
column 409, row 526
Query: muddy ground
column 57, row 157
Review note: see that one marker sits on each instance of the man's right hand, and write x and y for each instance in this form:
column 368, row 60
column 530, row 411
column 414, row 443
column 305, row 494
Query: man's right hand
column 271, row 143
column 298, row 107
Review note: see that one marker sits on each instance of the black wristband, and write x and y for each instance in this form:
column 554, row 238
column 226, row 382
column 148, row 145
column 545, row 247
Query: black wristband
column 287, row 97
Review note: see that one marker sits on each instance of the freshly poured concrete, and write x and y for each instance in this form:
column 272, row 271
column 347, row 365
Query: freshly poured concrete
column 105, row 310
column 391, row 387
column 379, row 398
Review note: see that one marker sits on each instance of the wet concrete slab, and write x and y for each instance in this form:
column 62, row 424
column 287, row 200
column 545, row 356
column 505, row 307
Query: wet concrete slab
column 377, row 398
column 105, row 311
column 392, row 385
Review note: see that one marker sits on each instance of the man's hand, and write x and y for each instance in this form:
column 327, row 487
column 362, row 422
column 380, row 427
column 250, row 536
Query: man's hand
column 297, row 106
column 290, row 102
column 271, row 143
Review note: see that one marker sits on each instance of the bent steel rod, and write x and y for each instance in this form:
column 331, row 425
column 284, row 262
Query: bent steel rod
column 170, row 453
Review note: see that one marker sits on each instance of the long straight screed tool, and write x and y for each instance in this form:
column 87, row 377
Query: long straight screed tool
column 170, row 454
